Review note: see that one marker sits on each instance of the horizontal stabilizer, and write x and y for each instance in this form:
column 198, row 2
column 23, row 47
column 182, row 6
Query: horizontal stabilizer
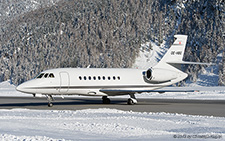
column 189, row 63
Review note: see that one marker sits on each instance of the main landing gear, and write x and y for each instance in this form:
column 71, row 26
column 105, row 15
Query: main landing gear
column 105, row 100
column 50, row 99
column 132, row 100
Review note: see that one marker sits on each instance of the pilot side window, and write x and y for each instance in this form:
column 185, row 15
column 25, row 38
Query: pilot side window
column 51, row 75
column 80, row 77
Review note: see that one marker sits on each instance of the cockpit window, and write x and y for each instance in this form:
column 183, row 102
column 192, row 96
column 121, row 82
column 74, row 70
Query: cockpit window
column 51, row 75
column 46, row 75
column 40, row 75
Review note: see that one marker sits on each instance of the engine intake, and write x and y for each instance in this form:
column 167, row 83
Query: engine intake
column 159, row 75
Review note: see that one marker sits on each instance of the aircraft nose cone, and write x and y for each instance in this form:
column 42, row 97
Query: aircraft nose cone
column 27, row 87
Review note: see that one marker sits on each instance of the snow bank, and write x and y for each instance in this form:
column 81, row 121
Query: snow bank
column 7, row 89
column 105, row 124
column 8, row 137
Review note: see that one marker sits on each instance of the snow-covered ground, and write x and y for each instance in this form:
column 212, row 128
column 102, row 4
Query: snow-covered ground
column 106, row 124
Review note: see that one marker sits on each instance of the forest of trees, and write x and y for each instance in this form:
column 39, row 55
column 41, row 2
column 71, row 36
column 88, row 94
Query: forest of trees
column 106, row 33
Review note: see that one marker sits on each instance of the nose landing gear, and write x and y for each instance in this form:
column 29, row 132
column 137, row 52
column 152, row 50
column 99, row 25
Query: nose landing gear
column 50, row 99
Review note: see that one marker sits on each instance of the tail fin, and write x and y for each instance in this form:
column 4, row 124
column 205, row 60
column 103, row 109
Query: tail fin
column 174, row 56
column 175, row 52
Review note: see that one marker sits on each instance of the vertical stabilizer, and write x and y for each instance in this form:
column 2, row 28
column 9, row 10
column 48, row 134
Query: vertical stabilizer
column 172, row 60
column 175, row 52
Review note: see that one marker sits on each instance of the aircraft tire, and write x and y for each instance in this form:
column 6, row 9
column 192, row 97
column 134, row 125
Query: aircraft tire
column 131, row 101
column 106, row 101
column 50, row 104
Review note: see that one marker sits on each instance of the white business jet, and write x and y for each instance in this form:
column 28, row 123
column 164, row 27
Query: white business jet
column 110, row 81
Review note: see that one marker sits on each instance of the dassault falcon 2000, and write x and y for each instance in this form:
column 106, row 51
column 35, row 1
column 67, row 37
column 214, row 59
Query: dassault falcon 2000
column 111, row 81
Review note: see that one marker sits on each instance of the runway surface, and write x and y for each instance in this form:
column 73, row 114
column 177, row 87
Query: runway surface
column 190, row 107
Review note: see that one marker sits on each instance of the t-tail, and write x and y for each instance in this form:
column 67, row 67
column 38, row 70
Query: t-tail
column 176, row 51
column 174, row 56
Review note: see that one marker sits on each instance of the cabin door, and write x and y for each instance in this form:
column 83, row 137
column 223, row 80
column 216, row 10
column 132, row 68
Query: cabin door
column 64, row 82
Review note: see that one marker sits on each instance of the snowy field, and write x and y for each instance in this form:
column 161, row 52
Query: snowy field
column 106, row 124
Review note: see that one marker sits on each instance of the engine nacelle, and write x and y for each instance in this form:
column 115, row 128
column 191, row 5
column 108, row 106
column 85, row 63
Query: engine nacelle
column 159, row 75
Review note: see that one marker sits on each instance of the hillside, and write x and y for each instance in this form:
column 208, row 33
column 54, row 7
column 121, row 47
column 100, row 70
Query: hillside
column 10, row 9
column 78, row 33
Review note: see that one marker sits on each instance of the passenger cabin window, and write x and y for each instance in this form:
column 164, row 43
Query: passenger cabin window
column 40, row 75
column 97, row 77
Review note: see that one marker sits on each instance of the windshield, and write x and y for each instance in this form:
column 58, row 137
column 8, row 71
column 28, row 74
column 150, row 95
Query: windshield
column 46, row 75
column 40, row 75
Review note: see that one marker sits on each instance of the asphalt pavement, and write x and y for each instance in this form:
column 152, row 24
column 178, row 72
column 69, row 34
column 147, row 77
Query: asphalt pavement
column 190, row 107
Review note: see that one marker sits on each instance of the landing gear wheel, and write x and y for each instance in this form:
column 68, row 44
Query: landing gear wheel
column 131, row 101
column 105, row 100
column 50, row 104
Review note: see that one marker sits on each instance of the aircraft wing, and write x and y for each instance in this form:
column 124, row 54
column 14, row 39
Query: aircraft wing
column 190, row 63
column 119, row 91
